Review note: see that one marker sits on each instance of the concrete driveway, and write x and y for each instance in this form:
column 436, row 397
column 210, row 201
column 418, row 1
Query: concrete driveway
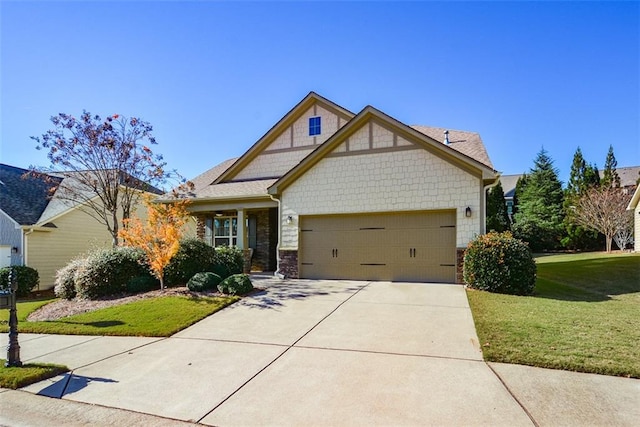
column 312, row 353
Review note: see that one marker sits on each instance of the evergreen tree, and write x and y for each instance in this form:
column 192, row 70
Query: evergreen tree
column 610, row 176
column 520, row 186
column 497, row 216
column 576, row 176
column 581, row 177
column 539, row 220
column 591, row 176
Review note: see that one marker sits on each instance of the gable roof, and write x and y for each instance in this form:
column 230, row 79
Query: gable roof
column 369, row 112
column 24, row 197
column 296, row 112
column 508, row 183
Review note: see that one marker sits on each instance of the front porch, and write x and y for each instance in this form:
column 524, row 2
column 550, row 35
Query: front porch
column 254, row 228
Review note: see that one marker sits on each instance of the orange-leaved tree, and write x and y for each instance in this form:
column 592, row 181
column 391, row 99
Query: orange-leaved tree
column 159, row 237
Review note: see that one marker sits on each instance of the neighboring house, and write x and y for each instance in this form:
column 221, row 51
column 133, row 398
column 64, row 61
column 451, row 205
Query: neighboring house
column 628, row 178
column 327, row 193
column 634, row 205
column 508, row 183
column 40, row 229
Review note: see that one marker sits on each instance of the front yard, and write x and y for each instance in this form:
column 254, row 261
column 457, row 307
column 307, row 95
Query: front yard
column 584, row 316
column 153, row 317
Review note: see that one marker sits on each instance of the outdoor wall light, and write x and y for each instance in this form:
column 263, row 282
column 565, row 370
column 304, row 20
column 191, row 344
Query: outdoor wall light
column 14, row 249
column 467, row 212
column 289, row 220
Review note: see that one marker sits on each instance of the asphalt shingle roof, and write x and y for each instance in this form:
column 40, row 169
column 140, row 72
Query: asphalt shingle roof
column 468, row 143
column 24, row 198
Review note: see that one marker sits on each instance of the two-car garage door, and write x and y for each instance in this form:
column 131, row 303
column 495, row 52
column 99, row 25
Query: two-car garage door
column 411, row 246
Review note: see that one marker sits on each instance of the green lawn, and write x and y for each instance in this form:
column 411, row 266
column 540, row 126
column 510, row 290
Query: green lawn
column 27, row 374
column 153, row 317
column 584, row 316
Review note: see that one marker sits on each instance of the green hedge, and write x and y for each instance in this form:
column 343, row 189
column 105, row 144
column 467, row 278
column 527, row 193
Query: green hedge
column 193, row 256
column 497, row 262
column 27, row 278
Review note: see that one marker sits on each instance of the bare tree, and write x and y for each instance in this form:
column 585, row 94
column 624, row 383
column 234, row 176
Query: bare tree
column 602, row 209
column 106, row 164
column 624, row 236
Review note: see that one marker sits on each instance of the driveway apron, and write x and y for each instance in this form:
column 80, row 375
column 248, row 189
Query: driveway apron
column 306, row 353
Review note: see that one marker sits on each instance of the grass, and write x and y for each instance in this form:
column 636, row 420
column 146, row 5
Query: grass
column 29, row 373
column 582, row 317
column 153, row 317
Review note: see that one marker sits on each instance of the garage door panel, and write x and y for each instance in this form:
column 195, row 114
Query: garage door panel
column 414, row 246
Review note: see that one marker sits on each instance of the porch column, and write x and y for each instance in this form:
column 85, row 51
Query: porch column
column 242, row 230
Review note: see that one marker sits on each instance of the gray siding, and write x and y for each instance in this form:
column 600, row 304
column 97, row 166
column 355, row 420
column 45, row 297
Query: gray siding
column 11, row 236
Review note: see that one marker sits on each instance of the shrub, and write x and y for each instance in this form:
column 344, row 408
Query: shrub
column 497, row 262
column 228, row 260
column 238, row 284
column 142, row 284
column 65, row 284
column 203, row 281
column 27, row 278
column 194, row 256
column 107, row 271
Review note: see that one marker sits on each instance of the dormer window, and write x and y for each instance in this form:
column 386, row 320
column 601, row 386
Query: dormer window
column 314, row 126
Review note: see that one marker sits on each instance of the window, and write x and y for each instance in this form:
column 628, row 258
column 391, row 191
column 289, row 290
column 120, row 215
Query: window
column 221, row 231
column 314, row 126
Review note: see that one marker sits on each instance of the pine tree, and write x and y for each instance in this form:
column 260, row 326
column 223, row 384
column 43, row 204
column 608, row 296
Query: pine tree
column 576, row 176
column 581, row 177
column 540, row 212
column 520, row 186
column 610, row 176
column 497, row 216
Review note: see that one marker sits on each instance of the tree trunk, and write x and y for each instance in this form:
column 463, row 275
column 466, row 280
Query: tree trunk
column 114, row 231
column 608, row 239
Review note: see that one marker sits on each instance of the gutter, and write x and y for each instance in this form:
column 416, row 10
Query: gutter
column 483, row 225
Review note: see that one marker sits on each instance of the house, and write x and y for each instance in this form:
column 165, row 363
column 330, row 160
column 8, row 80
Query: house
column 508, row 183
column 634, row 206
column 40, row 228
column 330, row 194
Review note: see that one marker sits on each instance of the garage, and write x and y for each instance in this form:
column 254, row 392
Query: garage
column 418, row 246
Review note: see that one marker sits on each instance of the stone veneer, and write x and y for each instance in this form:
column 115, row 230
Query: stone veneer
column 266, row 236
column 288, row 263
column 460, row 265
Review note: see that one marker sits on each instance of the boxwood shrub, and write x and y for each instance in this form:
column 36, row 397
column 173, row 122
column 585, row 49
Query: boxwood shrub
column 497, row 262
column 237, row 284
column 27, row 278
column 193, row 256
column 228, row 260
column 108, row 271
column 203, row 281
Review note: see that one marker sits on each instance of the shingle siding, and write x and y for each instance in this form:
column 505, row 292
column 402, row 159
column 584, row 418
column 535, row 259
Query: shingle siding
column 274, row 162
column 383, row 182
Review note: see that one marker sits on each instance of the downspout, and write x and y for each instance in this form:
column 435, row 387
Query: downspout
column 24, row 248
column 483, row 223
column 277, row 272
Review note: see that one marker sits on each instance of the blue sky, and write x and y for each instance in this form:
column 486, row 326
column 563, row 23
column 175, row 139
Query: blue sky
column 213, row 77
